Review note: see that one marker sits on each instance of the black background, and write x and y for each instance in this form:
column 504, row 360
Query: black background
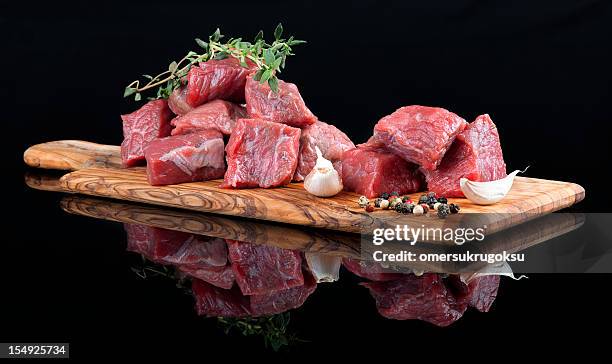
column 540, row 69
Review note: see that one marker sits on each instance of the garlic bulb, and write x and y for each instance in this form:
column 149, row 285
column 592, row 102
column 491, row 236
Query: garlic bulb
column 323, row 180
column 325, row 268
column 487, row 193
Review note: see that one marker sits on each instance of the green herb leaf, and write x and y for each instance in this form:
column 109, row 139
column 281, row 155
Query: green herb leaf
column 268, row 56
column 172, row 66
column 265, row 76
column 273, row 83
column 137, row 97
column 128, row 91
column 258, row 75
column 202, row 44
column 259, row 36
column 278, row 32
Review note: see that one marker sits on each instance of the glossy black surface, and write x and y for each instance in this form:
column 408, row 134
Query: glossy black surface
column 540, row 69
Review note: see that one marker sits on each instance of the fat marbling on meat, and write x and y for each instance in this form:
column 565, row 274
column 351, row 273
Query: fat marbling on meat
column 216, row 115
column 185, row 158
column 144, row 125
column 476, row 154
column 419, row 134
column 261, row 153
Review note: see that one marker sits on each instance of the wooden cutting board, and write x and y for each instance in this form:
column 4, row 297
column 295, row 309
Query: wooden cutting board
column 97, row 171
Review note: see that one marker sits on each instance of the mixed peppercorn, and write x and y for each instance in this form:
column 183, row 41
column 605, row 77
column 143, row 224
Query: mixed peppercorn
column 404, row 205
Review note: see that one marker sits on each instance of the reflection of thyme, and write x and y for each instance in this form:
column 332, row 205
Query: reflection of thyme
column 148, row 269
column 273, row 329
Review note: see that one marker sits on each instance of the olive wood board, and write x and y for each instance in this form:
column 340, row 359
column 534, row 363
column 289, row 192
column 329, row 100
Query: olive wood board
column 97, row 171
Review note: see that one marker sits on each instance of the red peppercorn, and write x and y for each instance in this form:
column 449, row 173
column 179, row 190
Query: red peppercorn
column 369, row 208
column 425, row 208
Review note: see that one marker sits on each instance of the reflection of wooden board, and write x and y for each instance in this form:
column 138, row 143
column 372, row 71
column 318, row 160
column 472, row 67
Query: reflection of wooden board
column 528, row 198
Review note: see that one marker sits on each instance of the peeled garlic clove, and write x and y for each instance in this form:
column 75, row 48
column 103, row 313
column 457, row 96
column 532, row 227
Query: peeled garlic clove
column 323, row 180
column 487, row 193
column 325, row 268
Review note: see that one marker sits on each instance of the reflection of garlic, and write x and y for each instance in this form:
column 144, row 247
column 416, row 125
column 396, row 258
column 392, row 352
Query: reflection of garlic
column 323, row 180
column 325, row 268
column 487, row 193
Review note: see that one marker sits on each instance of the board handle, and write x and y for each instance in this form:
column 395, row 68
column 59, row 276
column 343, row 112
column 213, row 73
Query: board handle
column 72, row 155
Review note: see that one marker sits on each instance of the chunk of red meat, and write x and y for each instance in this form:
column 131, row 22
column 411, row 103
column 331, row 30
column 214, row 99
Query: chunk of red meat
column 214, row 115
column 262, row 269
column 219, row 276
column 217, row 79
column 372, row 171
column 261, row 153
column 370, row 270
column 419, row 134
column 285, row 106
column 331, row 142
column 483, row 291
column 185, row 158
column 141, row 127
column 285, row 300
column 178, row 101
column 476, row 154
column 424, row 298
column 214, row 301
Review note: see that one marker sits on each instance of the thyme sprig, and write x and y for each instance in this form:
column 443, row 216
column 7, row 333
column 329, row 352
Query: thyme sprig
column 268, row 58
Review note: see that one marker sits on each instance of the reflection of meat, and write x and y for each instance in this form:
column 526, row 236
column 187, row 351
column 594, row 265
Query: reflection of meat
column 370, row 270
column 331, row 142
column 285, row 106
column 195, row 255
column 476, row 155
column 261, row 154
column 217, row 115
column 213, row 301
column 373, row 171
column 144, row 125
column 419, row 134
column 431, row 298
column 261, row 269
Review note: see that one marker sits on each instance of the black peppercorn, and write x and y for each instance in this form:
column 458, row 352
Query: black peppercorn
column 394, row 193
column 423, row 199
column 431, row 195
column 377, row 202
column 399, row 207
column 409, row 207
column 442, row 200
column 385, row 196
column 454, row 208
column 443, row 211
column 425, row 208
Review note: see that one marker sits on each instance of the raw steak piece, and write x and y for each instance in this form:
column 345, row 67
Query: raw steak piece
column 217, row 79
column 476, row 155
column 214, row 301
column 144, row 125
column 216, row 115
column 285, row 106
column 424, row 298
column 371, row 172
column 262, row 269
column 222, row 277
column 419, row 134
column 178, row 101
column 281, row 301
column 185, row 158
column 332, row 143
column 370, row 270
column 483, row 291
column 261, row 153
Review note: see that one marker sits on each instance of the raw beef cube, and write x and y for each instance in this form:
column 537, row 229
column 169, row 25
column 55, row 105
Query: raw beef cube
column 178, row 102
column 217, row 79
column 213, row 301
column 372, row 171
column 332, row 143
column 261, row 153
column 154, row 243
column 262, row 269
column 216, row 115
column 285, row 106
column 199, row 249
column 144, row 125
column 370, row 270
column 483, row 291
column 476, row 155
column 419, row 134
column 281, row 301
column 185, row 158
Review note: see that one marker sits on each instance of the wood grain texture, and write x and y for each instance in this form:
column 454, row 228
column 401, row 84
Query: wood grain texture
column 71, row 155
column 528, row 199
column 251, row 231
